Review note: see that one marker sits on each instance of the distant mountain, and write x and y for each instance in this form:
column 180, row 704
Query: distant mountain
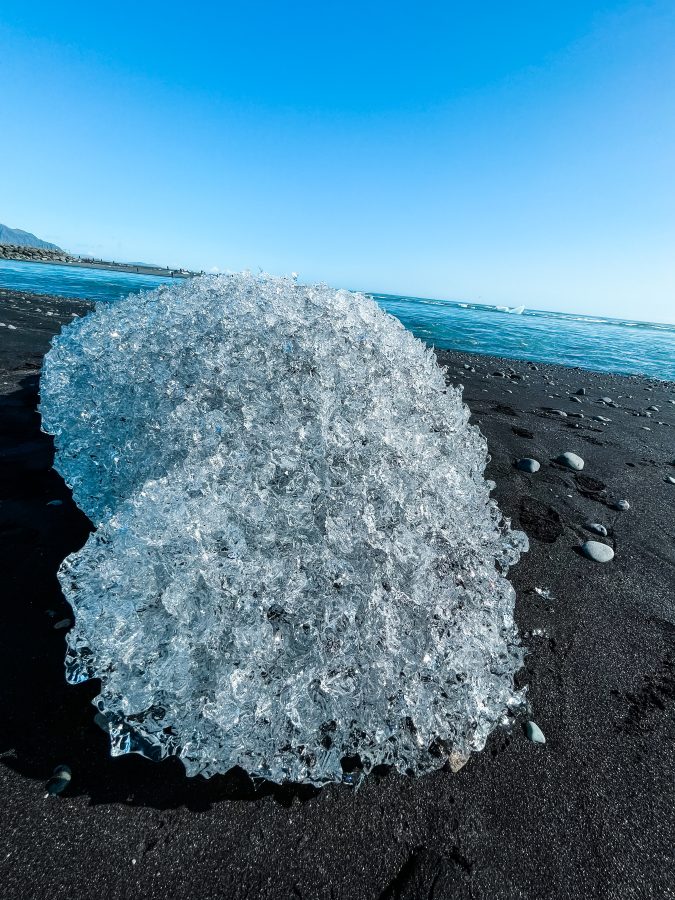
column 20, row 238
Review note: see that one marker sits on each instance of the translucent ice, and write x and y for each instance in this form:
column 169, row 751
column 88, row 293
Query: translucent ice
column 296, row 558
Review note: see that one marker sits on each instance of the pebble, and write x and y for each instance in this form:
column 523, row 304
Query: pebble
column 534, row 733
column 601, row 419
column 570, row 461
column 623, row 505
column 653, row 408
column 59, row 781
column 575, row 399
column 605, row 399
column 558, row 412
column 528, row 465
column 670, row 479
column 598, row 552
column 581, row 392
column 597, row 528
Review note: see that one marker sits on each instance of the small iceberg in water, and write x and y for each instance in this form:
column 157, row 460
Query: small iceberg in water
column 518, row 310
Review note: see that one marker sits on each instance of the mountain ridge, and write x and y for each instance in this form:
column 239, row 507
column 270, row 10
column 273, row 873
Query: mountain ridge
column 19, row 238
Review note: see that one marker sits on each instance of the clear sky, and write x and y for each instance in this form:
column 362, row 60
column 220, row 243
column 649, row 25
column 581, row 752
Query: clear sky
column 495, row 152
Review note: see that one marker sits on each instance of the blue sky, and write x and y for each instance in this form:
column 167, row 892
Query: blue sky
column 497, row 152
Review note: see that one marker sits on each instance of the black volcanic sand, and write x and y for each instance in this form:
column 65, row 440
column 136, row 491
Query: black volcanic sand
column 590, row 814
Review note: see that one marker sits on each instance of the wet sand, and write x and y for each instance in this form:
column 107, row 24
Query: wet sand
column 589, row 814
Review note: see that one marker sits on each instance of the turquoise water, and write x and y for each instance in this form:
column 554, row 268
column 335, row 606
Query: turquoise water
column 72, row 281
column 592, row 342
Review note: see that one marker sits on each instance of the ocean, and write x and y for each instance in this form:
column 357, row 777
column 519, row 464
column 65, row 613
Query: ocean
column 604, row 345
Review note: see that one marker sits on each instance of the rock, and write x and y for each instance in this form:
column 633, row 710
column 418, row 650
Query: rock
column 601, row 419
column 570, row 461
column 597, row 528
column 557, row 412
column 534, row 733
column 598, row 552
column 56, row 786
column 605, row 399
column 653, row 408
column 528, row 465
column 457, row 760
column 581, row 392
column 575, row 399
column 623, row 505
column 59, row 781
column 670, row 479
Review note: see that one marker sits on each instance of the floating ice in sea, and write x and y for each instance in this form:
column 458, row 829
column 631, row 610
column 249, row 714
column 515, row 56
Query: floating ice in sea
column 296, row 558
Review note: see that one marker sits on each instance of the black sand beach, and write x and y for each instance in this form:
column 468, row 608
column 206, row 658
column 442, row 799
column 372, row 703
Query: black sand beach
column 589, row 814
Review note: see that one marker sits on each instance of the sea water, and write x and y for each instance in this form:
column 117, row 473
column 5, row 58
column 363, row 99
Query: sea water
column 591, row 342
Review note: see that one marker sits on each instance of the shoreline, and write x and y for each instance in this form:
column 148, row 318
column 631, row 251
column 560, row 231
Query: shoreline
column 31, row 255
column 588, row 814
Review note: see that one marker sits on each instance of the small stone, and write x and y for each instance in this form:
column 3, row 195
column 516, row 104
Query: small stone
column 457, row 760
column 653, row 408
column 58, row 783
column 534, row 733
column 63, row 772
column 597, row 528
column 601, row 419
column 623, row 505
column 575, row 399
column 598, row 552
column 670, row 479
column 570, row 461
column 528, row 465
column 605, row 399
column 581, row 392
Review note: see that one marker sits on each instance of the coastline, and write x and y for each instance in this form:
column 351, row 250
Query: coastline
column 58, row 258
column 588, row 814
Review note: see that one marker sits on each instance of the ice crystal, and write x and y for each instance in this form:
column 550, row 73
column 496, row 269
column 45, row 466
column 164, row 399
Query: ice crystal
column 296, row 558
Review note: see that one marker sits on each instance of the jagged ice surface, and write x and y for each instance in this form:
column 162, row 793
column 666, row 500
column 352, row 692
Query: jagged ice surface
column 296, row 558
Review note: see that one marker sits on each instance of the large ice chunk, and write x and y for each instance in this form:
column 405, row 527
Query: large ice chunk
column 296, row 558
